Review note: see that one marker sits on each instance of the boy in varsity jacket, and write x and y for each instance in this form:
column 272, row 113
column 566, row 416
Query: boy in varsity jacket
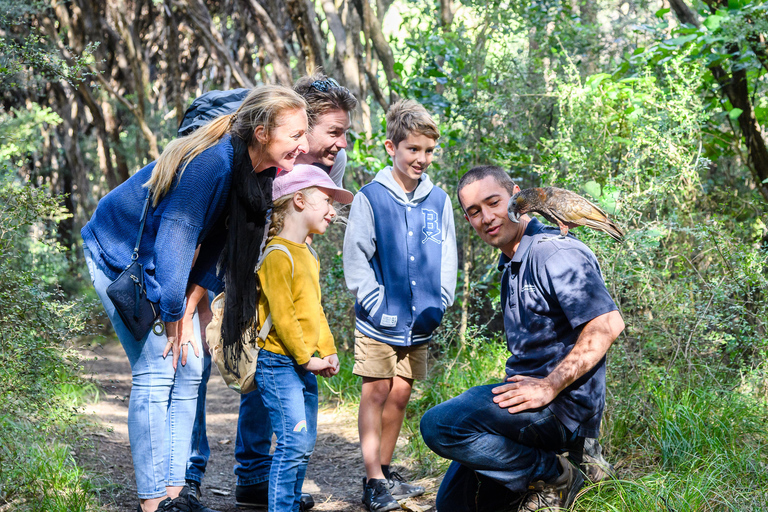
column 400, row 262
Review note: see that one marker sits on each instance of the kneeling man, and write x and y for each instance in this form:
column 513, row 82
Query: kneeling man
column 506, row 440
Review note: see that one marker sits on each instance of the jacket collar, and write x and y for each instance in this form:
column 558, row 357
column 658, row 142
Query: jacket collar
column 421, row 192
column 535, row 226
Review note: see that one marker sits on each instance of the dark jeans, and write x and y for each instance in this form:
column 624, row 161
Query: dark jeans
column 199, row 450
column 496, row 454
column 254, row 439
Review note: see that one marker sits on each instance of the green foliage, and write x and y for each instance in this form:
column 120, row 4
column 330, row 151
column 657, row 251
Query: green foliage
column 39, row 385
column 27, row 56
column 20, row 133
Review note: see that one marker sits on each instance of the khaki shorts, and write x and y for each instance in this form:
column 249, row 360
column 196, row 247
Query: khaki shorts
column 381, row 361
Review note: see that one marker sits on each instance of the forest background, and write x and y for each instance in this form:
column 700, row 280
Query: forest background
column 654, row 109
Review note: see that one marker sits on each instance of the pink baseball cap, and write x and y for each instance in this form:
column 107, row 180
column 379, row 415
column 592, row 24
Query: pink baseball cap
column 305, row 176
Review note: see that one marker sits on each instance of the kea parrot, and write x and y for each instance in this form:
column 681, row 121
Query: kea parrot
column 564, row 208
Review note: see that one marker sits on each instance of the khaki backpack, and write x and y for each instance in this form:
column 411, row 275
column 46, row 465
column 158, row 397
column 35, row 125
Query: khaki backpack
column 246, row 365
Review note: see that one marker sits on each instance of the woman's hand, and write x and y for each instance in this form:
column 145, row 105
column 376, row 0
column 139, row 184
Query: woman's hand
column 181, row 334
column 317, row 365
column 333, row 359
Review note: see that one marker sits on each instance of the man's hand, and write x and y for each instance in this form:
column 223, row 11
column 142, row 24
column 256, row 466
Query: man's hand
column 524, row 393
column 204, row 316
column 531, row 393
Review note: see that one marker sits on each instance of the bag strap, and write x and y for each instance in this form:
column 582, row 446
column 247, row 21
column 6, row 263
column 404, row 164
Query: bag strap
column 135, row 255
column 264, row 331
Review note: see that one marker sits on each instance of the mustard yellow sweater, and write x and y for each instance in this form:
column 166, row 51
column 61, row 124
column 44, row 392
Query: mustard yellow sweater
column 299, row 324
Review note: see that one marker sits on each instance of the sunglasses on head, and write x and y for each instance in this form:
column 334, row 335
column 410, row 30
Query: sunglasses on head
column 325, row 85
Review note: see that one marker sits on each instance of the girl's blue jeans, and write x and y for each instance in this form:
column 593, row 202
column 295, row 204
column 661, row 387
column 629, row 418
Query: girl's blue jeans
column 163, row 403
column 289, row 393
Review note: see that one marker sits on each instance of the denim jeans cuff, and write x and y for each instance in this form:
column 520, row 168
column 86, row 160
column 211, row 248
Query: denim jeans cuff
column 245, row 482
column 176, row 483
column 189, row 477
column 152, row 495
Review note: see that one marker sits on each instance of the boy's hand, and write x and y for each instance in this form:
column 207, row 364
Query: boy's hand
column 316, row 365
column 333, row 359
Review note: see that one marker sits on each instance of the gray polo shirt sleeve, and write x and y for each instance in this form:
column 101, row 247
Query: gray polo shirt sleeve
column 572, row 277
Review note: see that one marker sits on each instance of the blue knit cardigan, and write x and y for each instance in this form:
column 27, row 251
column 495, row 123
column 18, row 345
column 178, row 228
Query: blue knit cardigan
column 190, row 214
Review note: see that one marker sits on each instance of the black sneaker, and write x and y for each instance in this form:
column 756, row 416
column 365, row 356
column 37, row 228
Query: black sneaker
column 190, row 496
column 195, row 488
column 556, row 495
column 306, row 501
column 400, row 489
column 256, row 497
column 179, row 504
column 376, row 496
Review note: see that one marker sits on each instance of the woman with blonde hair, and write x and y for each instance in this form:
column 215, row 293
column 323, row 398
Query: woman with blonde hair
column 209, row 194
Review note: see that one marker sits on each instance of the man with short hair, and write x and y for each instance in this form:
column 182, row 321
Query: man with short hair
column 328, row 114
column 506, row 441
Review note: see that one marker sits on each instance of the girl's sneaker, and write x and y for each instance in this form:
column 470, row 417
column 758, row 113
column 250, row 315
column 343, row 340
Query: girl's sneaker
column 400, row 489
column 376, row 496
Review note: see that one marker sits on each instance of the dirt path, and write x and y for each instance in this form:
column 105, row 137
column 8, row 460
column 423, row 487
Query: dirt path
column 335, row 470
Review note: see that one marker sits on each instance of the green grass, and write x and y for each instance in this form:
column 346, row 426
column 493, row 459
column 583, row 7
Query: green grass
column 677, row 447
column 38, row 472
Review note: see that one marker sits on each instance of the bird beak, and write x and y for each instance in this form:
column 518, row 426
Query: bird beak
column 511, row 212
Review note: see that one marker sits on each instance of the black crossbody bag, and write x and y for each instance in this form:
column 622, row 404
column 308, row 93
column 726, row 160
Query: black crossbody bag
column 128, row 294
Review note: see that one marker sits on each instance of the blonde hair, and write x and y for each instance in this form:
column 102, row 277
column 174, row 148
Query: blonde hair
column 280, row 209
column 263, row 106
column 407, row 116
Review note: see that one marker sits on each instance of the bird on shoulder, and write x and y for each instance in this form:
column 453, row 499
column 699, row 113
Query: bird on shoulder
column 564, row 208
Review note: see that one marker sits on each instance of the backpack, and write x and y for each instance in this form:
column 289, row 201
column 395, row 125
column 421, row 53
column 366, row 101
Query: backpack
column 209, row 106
column 246, row 365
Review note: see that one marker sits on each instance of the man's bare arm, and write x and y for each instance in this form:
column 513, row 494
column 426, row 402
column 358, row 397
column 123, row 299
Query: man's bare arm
column 523, row 393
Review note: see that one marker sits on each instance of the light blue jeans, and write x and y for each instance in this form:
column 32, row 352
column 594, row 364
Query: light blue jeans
column 289, row 393
column 163, row 403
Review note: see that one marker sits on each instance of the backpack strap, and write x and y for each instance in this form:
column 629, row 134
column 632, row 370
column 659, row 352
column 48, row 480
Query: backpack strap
column 264, row 331
column 312, row 251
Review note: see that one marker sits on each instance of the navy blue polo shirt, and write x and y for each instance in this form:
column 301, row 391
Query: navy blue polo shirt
column 550, row 289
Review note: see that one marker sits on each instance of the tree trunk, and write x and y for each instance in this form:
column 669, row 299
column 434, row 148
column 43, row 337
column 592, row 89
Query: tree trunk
column 172, row 44
column 372, row 31
column 736, row 88
column 303, row 17
column 271, row 42
column 446, row 13
column 201, row 18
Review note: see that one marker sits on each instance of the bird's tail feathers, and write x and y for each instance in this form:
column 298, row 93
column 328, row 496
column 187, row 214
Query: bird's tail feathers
column 606, row 226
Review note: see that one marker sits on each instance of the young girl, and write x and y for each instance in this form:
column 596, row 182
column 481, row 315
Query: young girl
column 286, row 369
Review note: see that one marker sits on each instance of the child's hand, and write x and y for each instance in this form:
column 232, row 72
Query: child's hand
column 330, row 372
column 316, row 365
